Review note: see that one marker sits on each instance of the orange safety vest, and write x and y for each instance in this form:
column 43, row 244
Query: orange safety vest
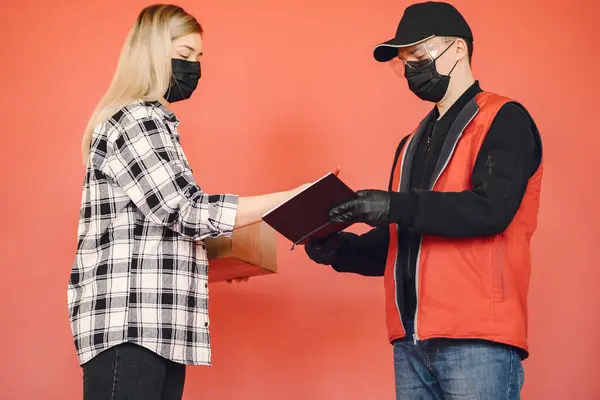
column 466, row 287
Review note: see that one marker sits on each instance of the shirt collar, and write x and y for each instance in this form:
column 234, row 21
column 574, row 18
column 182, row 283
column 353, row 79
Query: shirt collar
column 163, row 111
column 462, row 101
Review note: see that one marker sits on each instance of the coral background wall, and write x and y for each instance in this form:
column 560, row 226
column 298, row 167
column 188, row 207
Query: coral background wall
column 290, row 91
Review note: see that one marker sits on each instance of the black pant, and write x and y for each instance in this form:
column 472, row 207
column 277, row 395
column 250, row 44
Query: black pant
column 131, row 372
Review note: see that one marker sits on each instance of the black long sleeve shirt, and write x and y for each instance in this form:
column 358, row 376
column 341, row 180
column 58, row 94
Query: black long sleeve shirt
column 509, row 156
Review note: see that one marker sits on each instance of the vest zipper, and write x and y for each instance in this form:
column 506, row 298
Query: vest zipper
column 418, row 261
column 396, row 293
column 415, row 334
column 401, row 167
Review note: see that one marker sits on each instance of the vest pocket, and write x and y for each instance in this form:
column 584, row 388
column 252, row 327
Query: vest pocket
column 496, row 266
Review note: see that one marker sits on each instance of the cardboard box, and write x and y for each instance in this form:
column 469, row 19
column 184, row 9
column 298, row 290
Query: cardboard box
column 251, row 251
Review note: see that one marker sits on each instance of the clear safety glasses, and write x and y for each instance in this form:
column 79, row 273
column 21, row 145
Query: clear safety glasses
column 421, row 55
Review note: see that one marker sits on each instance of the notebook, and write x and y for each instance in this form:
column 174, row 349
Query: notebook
column 305, row 217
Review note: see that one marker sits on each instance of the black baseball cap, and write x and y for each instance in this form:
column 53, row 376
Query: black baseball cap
column 423, row 21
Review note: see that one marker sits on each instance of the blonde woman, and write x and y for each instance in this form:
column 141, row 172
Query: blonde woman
column 138, row 289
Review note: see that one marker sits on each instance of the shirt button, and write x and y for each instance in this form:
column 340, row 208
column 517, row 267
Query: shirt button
column 206, row 285
column 206, row 324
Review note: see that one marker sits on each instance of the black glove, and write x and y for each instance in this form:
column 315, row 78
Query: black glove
column 371, row 207
column 325, row 250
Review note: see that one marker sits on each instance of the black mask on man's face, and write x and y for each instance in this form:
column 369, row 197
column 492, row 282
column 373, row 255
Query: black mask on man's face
column 427, row 83
column 184, row 80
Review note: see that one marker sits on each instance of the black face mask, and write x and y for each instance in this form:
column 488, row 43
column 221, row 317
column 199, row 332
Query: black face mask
column 183, row 80
column 427, row 83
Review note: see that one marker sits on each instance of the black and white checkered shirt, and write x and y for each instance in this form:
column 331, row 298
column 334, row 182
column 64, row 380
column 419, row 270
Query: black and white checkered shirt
column 140, row 273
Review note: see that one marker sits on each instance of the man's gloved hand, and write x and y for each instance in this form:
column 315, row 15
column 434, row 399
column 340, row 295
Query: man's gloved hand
column 371, row 207
column 325, row 250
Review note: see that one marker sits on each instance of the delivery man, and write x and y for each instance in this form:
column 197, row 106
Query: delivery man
column 452, row 232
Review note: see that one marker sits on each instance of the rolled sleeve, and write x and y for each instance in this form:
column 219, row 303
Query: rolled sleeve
column 144, row 161
column 223, row 213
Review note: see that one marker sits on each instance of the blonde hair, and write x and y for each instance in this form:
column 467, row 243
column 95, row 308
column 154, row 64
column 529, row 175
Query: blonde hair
column 144, row 68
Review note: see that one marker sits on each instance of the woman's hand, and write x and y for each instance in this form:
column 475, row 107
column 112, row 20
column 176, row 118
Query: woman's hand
column 251, row 209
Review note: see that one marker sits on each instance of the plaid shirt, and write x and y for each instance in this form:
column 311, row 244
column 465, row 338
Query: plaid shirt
column 140, row 272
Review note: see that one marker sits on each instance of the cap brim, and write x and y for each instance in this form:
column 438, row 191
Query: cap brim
column 385, row 51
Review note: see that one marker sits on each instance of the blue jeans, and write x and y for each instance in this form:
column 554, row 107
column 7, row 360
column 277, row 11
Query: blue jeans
column 456, row 369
